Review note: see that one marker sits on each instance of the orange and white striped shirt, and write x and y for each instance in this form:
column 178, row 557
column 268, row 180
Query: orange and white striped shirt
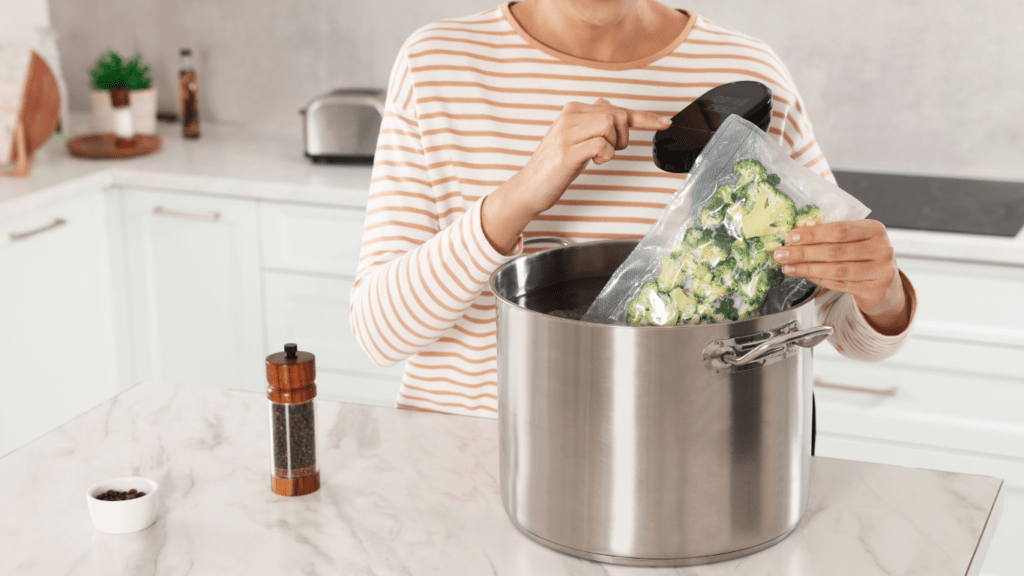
column 468, row 102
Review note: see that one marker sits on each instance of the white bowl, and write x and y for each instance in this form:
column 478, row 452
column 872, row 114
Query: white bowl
column 123, row 516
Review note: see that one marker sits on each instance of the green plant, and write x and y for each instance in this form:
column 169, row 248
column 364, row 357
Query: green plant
column 112, row 71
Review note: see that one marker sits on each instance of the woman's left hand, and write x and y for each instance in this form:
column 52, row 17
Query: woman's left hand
column 854, row 257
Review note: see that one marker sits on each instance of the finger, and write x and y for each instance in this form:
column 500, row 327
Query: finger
column 845, row 271
column 641, row 120
column 835, row 232
column 602, row 125
column 597, row 149
column 862, row 251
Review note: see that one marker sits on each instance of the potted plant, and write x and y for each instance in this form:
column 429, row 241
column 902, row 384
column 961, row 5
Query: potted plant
column 113, row 71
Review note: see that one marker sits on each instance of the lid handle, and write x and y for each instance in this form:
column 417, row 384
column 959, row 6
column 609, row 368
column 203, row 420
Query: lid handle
column 291, row 351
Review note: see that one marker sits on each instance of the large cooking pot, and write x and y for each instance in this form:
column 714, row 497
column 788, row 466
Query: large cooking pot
column 657, row 446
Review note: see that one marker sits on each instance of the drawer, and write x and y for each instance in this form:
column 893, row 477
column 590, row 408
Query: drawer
column 311, row 239
column 968, row 301
column 965, row 357
column 1005, row 555
column 939, row 408
column 312, row 311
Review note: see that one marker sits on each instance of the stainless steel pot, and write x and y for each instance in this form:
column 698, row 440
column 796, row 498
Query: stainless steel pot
column 658, row 446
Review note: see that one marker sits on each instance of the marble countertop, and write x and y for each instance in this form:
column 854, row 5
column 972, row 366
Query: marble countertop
column 234, row 161
column 407, row 493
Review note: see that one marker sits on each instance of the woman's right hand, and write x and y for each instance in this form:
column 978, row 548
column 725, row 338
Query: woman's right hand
column 580, row 133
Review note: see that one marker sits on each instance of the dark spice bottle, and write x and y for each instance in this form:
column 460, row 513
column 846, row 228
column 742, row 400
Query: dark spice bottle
column 188, row 92
column 292, row 392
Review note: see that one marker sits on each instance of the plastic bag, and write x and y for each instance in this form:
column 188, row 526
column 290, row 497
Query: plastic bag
column 708, row 258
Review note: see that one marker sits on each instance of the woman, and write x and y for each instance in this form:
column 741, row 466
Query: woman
column 536, row 119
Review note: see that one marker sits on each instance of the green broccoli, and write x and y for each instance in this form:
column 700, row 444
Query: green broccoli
column 722, row 237
column 692, row 237
column 726, row 311
column 809, row 215
column 706, row 312
column 636, row 312
column 733, row 219
column 767, row 211
column 740, row 253
column 725, row 273
column 714, row 210
column 672, row 274
column 757, row 254
column 661, row 312
column 708, row 289
column 754, row 290
column 684, row 303
column 771, row 242
column 749, row 171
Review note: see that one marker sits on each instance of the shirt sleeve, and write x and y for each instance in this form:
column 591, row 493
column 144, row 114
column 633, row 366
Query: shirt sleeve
column 414, row 280
column 854, row 337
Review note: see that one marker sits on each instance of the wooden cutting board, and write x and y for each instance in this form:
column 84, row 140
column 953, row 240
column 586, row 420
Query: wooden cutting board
column 104, row 145
column 37, row 116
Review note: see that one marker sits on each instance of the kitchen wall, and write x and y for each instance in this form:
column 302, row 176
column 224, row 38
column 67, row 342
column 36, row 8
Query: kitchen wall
column 919, row 86
column 21, row 19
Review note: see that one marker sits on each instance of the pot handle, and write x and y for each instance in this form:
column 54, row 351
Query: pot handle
column 808, row 338
column 552, row 239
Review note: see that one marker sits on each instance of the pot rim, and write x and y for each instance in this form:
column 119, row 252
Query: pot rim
column 490, row 284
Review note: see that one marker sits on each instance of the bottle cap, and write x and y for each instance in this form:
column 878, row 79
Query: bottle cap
column 291, row 375
column 186, row 51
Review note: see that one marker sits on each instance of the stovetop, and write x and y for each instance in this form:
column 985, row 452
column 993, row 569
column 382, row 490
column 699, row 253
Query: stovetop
column 941, row 204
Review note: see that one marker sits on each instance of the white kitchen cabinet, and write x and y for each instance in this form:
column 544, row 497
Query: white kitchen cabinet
column 63, row 328
column 195, row 289
column 1005, row 555
column 311, row 239
column 313, row 312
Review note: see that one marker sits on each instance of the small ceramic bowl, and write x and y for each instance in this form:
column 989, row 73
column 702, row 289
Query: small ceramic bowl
column 123, row 516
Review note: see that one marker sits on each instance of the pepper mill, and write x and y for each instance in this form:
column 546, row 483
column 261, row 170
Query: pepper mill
column 292, row 393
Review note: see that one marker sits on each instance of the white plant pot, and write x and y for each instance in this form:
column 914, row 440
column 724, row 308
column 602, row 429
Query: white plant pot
column 143, row 103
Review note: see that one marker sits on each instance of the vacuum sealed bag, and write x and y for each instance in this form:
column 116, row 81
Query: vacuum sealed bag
column 708, row 258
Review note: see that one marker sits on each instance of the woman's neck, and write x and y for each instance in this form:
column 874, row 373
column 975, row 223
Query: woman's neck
column 602, row 35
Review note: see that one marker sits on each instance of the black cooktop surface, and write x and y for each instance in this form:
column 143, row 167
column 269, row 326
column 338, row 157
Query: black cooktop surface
column 941, row 204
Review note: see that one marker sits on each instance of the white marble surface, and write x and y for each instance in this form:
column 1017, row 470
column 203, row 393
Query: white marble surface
column 233, row 161
column 405, row 493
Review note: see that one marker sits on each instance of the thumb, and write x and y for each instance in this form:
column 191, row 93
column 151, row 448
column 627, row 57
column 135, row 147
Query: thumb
column 647, row 120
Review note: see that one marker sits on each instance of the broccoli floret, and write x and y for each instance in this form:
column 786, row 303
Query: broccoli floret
column 773, row 179
column 733, row 219
column 706, row 312
column 771, row 242
column 722, row 238
column 757, row 254
column 725, row 273
column 692, row 237
column 767, row 210
column 672, row 274
column 746, row 310
column 714, row 210
column 726, row 311
column 740, row 253
column 754, row 290
column 636, row 312
column 809, row 215
column 684, row 303
column 661, row 312
column 748, row 171
column 708, row 289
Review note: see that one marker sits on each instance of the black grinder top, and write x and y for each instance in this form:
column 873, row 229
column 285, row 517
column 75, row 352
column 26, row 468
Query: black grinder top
column 676, row 148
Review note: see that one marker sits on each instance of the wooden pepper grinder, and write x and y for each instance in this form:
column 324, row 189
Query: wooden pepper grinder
column 292, row 393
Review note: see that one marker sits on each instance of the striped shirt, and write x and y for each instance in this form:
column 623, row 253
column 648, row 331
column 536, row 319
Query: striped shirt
column 468, row 102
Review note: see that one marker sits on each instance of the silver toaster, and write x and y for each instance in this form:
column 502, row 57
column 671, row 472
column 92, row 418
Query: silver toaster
column 343, row 125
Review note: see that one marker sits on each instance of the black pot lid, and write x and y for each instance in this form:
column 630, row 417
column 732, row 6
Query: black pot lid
column 676, row 148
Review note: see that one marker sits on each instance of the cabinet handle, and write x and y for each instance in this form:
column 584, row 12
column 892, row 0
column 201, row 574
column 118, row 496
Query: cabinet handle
column 15, row 236
column 891, row 391
column 205, row 216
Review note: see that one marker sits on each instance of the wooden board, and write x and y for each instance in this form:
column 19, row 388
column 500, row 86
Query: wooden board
column 40, row 106
column 103, row 146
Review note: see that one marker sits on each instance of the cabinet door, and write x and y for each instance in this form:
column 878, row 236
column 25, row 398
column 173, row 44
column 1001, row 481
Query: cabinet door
column 313, row 312
column 195, row 287
column 57, row 336
column 1005, row 554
